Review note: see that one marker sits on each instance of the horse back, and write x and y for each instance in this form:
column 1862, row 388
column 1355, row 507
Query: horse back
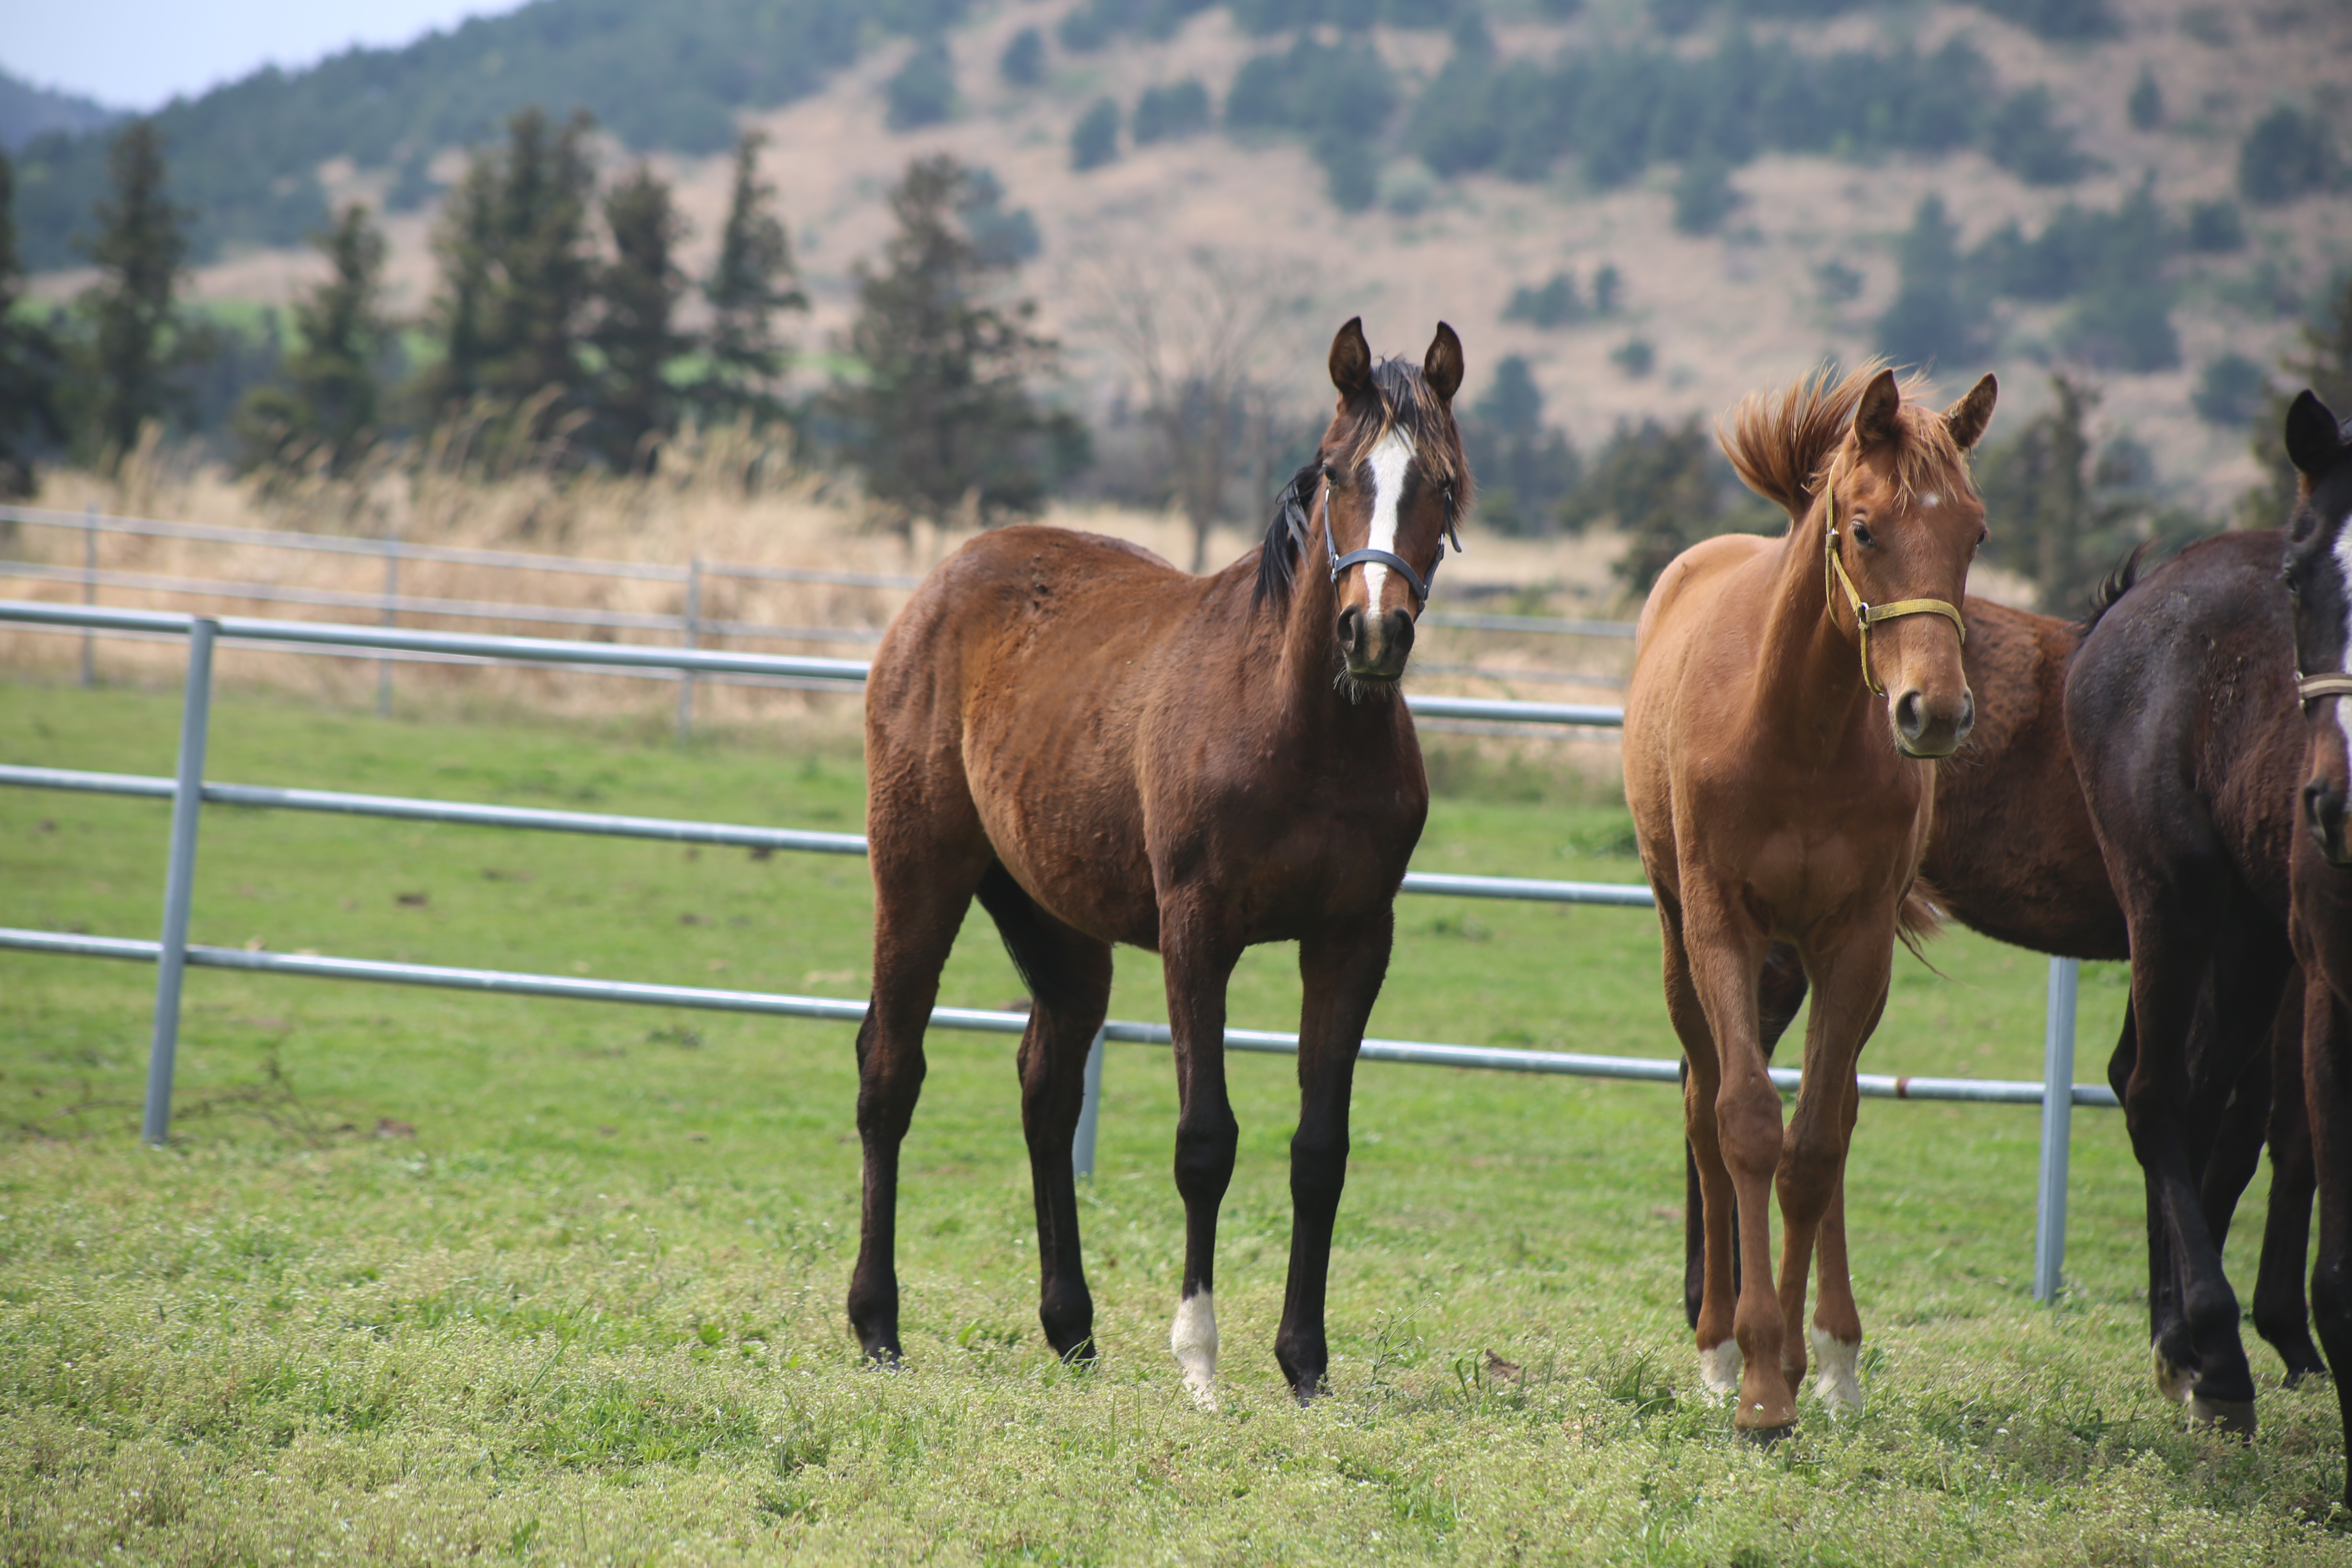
column 2181, row 710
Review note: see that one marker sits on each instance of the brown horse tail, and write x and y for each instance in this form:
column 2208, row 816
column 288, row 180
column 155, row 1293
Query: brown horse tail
column 2113, row 586
column 1920, row 918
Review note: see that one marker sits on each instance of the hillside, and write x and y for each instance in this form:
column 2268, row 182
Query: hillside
column 26, row 112
column 1479, row 164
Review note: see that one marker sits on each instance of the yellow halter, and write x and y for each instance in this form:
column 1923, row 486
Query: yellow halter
column 1867, row 616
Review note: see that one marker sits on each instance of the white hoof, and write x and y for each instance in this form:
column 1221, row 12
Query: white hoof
column 1837, row 1384
column 1720, row 1367
column 2171, row 1383
column 1194, row 1340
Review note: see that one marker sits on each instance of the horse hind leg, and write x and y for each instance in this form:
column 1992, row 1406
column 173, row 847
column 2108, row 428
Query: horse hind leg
column 1069, row 975
column 923, row 883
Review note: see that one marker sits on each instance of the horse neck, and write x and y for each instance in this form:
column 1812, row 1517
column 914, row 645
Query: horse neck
column 1809, row 692
column 1312, row 704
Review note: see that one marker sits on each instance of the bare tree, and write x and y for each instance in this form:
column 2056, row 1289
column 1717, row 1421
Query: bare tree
column 1210, row 340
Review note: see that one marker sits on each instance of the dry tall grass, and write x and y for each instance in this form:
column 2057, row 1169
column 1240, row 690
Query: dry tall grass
column 725, row 496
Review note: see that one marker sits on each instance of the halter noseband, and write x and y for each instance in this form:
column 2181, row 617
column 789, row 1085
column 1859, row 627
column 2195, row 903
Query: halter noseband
column 2310, row 689
column 1421, row 584
column 1866, row 614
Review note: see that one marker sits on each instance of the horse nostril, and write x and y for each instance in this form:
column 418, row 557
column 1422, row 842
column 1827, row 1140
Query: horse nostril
column 2323, row 808
column 1910, row 715
column 1399, row 626
column 1968, row 711
column 1352, row 629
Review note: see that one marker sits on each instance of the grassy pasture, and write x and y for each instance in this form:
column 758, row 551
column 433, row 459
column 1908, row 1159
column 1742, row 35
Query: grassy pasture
column 426, row 1276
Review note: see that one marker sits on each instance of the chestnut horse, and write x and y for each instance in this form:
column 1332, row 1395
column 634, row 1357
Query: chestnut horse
column 1105, row 749
column 1788, row 700
column 2319, row 577
column 2013, row 855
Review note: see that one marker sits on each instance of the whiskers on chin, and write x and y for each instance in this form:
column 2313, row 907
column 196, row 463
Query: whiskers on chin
column 1360, row 689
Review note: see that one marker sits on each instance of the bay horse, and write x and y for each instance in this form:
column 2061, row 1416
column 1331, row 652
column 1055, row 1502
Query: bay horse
column 2318, row 575
column 1105, row 749
column 2182, row 713
column 1788, row 701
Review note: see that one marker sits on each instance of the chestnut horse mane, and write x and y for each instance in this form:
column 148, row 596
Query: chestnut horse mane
column 1401, row 400
column 1784, row 444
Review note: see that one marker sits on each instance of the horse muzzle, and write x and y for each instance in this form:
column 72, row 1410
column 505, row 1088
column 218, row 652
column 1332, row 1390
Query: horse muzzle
column 2322, row 818
column 1927, row 729
column 1375, row 643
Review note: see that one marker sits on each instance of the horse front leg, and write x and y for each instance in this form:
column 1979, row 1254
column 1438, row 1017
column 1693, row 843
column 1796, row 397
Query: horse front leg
column 2281, row 1314
column 1732, row 1114
column 1848, row 995
column 1341, row 973
column 1069, row 975
column 1197, row 955
column 2328, row 1102
column 1781, row 993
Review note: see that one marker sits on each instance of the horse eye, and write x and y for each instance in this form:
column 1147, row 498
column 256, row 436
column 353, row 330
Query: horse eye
column 1861, row 533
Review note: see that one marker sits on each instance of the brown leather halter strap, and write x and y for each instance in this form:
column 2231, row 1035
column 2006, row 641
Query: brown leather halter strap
column 2311, row 688
column 1866, row 614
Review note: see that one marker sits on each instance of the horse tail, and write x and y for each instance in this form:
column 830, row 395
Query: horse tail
column 1920, row 918
column 2113, row 586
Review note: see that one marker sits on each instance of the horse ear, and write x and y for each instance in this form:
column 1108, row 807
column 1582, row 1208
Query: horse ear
column 1967, row 419
column 2313, row 438
column 1874, row 421
column 1351, row 359
column 1441, row 367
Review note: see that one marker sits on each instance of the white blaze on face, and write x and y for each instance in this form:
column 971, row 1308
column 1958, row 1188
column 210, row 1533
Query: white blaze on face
column 1389, row 462
column 2344, row 568
column 1194, row 1340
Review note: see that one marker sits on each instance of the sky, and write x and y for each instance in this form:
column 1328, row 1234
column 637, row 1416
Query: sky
column 139, row 54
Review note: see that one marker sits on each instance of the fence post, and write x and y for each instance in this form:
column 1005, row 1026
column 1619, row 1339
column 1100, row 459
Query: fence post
column 89, row 593
column 2057, row 1123
column 686, row 677
column 1082, row 1144
column 390, row 618
column 179, row 879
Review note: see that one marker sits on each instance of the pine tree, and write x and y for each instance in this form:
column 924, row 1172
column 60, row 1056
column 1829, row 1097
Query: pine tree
column 330, row 402
column 943, row 417
column 638, row 292
column 139, row 253
column 752, row 281
column 516, row 282
column 1930, row 322
column 29, row 364
column 2323, row 362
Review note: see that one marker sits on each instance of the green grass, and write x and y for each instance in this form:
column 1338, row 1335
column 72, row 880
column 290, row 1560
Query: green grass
column 426, row 1276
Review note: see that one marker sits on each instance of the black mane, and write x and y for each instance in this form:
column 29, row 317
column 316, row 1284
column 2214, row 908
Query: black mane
column 2113, row 586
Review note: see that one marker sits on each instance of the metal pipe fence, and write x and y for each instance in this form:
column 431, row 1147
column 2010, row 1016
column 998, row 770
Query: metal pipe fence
column 689, row 626
column 188, row 791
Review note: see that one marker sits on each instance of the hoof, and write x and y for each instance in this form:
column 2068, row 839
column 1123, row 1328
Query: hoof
column 2296, row 1377
column 1718, row 1371
column 1764, row 1437
column 2170, row 1381
column 1839, row 1383
column 2232, row 1418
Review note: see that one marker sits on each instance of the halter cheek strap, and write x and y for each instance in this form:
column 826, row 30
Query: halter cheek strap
column 1358, row 557
column 1867, row 616
column 2311, row 688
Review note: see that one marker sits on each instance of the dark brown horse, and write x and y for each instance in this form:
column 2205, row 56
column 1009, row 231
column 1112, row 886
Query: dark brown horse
column 1107, row 749
column 1788, row 700
column 2320, row 575
column 2182, row 714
